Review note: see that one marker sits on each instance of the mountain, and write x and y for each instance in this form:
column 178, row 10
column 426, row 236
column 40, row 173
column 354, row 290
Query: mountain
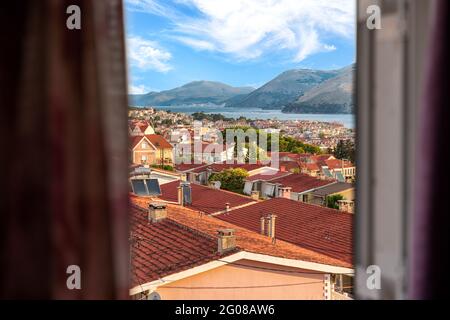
column 191, row 93
column 332, row 96
column 282, row 90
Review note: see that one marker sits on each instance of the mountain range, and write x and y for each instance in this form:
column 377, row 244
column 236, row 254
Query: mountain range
column 293, row 91
column 196, row 92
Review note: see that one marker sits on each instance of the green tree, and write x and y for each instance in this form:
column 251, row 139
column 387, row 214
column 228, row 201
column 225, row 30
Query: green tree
column 332, row 201
column 231, row 179
column 345, row 150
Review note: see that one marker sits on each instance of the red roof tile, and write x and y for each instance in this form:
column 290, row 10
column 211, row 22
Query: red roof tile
column 301, row 182
column 246, row 239
column 167, row 247
column 158, row 141
column 322, row 230
column 268, row 176
column 204, row 199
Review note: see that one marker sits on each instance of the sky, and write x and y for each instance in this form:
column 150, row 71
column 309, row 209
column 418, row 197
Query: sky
column 237, row 42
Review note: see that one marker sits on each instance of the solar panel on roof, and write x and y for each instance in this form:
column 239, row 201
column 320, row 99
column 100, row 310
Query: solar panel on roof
column 153, row 187
column 327, row 173
column 340, row 177
column 139, row 187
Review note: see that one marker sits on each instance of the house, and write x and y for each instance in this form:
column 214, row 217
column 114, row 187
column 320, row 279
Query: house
column 163, row 176
column 200, row 173
column 141, row 128
column 319, row 196
column 150, row 149
column 177, row 254
column 203, row 152
column 296, row 186
column 328, row 166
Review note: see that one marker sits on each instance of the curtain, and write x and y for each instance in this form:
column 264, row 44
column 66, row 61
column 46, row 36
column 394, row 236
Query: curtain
column 429, row 250
column 63, row 159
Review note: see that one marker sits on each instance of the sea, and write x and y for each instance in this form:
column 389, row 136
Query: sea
column 348, row 120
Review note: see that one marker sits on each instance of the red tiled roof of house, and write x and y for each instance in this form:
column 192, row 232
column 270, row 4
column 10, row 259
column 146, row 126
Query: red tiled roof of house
column 301, row 182
column 167, row 247
column 325, row 231
column 158, row 141
column 246, row 239
column 289, row 165
column 134, row 140
column 338, row 164
column 268, row 177
column 205, row 199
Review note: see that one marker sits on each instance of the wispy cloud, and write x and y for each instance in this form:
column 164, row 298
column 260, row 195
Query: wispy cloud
column 137, row 89
column 249, row 29
column 148, row 55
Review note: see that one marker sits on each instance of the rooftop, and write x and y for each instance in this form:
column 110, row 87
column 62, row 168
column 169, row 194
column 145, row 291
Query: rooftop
column 167, row 247
column 206, row 226
column 322, row 230
column 205, row 199
column 333, row 188
column 300, row 182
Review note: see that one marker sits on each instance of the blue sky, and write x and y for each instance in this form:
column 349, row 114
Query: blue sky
column 237, row 42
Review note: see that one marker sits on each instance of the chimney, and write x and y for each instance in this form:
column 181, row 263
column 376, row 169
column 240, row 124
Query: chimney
column 255, row 195
column 184, row 193
column 263, row 225
column 227, row 207
column 283, row 168
column 156, row 212
column 180, row 195
column 271, row 226
column 226, row 240
column 285, row 192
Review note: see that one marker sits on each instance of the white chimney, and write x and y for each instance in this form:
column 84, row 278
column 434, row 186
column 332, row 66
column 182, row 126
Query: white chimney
column 271, row 226
column 227, row 207
column 157, row 211
column 226, row 240
column 263, row 225
column 285, row 192
column 184, row 193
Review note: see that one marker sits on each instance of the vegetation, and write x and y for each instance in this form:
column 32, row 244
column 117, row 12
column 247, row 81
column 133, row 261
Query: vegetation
column 231, row 179
column 287, row 144
column 345, row 150
column 332, row 201
column 163, row 167
column 199, row 116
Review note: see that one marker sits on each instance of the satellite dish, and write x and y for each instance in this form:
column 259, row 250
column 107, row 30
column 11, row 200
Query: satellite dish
column 154, row 296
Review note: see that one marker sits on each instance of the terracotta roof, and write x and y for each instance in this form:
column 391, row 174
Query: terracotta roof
column 205, row 199
column 158, row 141
column 301, row 182
column 246, row 239
column 289, row 165
column 268, row 177
column 338, row 164
column 134, row 140
column 325, row 231
column 167, row 247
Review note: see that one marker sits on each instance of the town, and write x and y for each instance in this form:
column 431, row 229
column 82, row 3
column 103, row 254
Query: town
column 207, row 226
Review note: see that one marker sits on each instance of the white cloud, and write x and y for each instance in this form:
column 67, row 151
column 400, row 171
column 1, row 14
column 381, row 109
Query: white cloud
column 138, row 89
column 248, row 29
column 148, row 55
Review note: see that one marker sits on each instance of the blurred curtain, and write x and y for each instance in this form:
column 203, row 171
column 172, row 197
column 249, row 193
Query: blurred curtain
column 430, row 247
column 63, row 150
